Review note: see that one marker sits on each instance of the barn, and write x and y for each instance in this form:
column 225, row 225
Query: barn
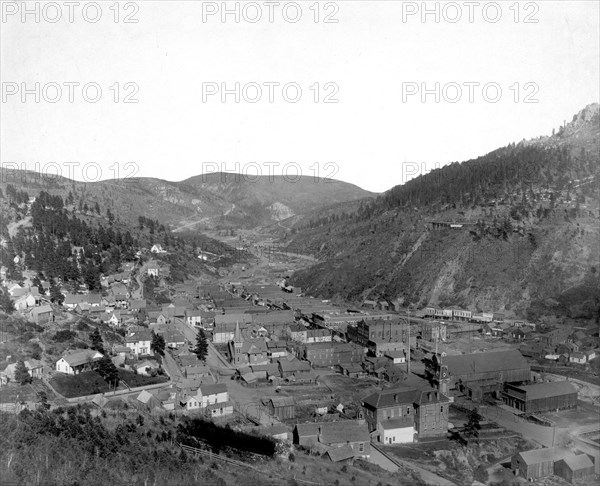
column 537, row 463
column 477, row 374
column 574, row 468
column 280, row 407
column 541, row 397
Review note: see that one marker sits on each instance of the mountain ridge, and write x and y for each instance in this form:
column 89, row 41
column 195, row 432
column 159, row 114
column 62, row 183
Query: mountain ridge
column 531, row 247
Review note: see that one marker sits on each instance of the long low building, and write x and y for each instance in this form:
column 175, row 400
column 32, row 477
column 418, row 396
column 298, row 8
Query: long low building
column 478, row 374
column 541, row 397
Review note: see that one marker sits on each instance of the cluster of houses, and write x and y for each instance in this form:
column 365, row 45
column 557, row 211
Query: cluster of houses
column 32, row 302
column 537, row 464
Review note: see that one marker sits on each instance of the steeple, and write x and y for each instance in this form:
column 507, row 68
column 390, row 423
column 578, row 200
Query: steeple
column 237, row 338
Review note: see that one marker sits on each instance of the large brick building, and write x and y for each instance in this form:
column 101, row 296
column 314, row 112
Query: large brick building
column 366, row 330
column 424, row 412
column 330, row 354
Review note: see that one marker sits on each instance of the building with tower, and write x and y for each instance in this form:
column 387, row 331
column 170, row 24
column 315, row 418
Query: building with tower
column 250, row 350
column 479, row 374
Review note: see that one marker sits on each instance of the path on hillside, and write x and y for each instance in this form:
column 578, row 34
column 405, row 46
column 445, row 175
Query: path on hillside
column 15, row 225
column 429, row 477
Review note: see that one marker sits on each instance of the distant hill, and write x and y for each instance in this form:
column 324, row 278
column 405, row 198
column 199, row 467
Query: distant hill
column 526, row 238
column 203, row 202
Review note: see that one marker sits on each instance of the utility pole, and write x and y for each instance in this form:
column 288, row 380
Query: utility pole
column 408, row 345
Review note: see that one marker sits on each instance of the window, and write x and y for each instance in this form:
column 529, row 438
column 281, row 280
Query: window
column 442, row 409
column 361, row 447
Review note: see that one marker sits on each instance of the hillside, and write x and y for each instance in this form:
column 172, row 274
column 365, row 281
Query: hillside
column 528, row 244
column 211, row 201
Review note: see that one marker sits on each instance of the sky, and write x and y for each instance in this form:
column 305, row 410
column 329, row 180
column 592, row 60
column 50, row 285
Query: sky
column 368, row 92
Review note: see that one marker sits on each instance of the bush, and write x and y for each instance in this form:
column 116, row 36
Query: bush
column 480, row 474
column 64, row 336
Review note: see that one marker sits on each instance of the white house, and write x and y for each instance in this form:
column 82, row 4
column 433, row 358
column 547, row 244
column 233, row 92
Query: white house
column 75, row 363
column 153, row 269
column 157, row 249
column 25, row 302
column 193, row 317
column 212, row 394
column 190, row 403
column 395, row 431
column 577, row 357
column 397, row 357
column 145, row 367
column 139, row 342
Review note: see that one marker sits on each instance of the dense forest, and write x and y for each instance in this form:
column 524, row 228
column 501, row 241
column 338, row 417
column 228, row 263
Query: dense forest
column 69, row 243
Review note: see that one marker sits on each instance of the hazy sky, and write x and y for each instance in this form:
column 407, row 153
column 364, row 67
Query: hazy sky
column 372, row 60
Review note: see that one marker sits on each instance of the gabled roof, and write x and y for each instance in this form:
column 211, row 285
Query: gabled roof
column 537, row 456
column 197, row 370
column 578, row 462
column 342, row 453
column 193, row 313
column 81, row 357
column 42, row 309
column 138, row 304
column 145, row 397
column 138, row 336
column 213, row 389
column 279, row 401
column 550, row 389
column 335, row 432
column 258, row 346
column 298, row 328
column 295, row 365
column 466, row 364
column 397, row 423
column 100, row 401
column 74, row 299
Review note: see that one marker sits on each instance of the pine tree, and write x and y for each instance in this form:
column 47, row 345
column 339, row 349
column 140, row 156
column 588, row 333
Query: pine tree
column 107, row 370
column 22, row 373
column 473, row 426
column 96, row 340
column 201, row 348
column 6, row 304
column 158, row 344
column 56, row 295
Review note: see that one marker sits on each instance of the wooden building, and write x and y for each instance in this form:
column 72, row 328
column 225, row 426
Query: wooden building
column 281, row 408
column 541, row 397
column 559, row 461
column 477, row 374
column 574, row 468
column 537, row 463
column 335, row 434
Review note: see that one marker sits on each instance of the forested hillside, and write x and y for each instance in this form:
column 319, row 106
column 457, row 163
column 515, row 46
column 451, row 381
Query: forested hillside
column 75, row 246
column 528, row 243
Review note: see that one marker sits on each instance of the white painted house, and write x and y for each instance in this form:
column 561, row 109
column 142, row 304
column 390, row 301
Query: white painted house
column 395, row 431
column 139, row 342
column 75, row 363
column 212, row 394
